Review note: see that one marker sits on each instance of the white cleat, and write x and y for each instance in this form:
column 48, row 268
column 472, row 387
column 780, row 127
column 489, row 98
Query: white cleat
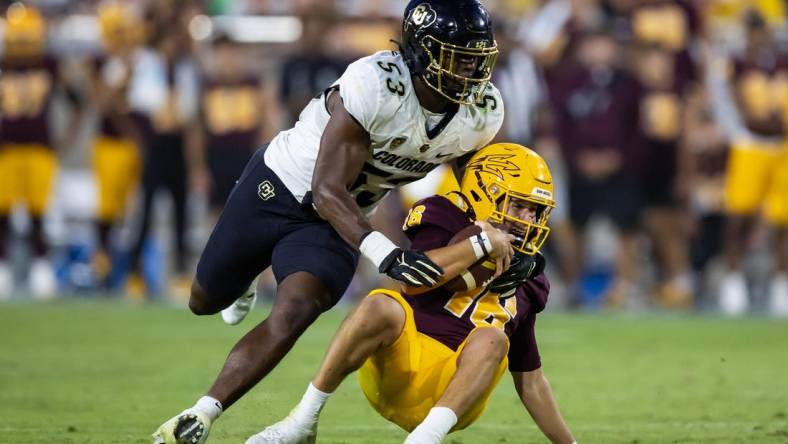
column 237, row 312
column 189, row 427
column 6, row 282
column 286, row 431
column 734, row 300
column 778, row 296
column 43, row 285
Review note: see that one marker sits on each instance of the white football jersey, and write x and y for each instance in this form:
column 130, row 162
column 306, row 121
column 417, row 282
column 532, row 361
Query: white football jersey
column 377, row 91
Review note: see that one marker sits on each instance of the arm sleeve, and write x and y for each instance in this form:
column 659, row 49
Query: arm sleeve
column 523, row 351
column 537, row 290
column 359, row 88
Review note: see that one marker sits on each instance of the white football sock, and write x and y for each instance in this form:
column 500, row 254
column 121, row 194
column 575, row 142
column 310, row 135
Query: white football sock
column 210, row 406
column 311, row 404
column 435, row 426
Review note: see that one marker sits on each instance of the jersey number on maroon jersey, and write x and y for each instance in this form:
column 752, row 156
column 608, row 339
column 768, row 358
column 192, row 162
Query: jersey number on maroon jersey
column 488, row 308
column 230, row 109
column 24, row 94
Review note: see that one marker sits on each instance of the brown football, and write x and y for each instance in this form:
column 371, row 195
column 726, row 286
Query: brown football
column 481, row 271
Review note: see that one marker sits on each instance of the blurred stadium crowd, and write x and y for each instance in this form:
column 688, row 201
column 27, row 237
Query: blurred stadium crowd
column 123, row 126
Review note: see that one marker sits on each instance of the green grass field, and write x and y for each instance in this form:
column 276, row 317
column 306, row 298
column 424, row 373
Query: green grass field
column 88, row 372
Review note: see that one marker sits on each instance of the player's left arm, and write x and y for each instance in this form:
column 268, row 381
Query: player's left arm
column 344, row 148
column 537, row 397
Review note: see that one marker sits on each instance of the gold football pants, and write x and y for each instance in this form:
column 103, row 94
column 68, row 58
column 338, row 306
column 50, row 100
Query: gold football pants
column 27, row 173
column 405, row 380
column 757, row 180
column 116, row 163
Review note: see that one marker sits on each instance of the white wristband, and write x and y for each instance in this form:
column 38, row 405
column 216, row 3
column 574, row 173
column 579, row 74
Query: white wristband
column 481, row 245
column 376, row 246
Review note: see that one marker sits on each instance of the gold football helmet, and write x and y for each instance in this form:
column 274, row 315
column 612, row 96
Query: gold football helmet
column 503, row 177
column 25, row 31
column 121, row 27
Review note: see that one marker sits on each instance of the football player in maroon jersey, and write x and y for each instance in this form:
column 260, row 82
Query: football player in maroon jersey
column 429, row 358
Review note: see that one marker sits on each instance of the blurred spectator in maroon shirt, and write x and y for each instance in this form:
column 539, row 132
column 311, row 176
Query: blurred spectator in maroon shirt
column 237, row 115
column 596, row 120
column 662, row 110
column 664, row 34
column 163, row 93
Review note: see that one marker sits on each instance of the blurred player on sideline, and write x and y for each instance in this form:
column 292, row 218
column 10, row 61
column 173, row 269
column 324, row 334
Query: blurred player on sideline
column 116, row 157
column 663, row 34
column 301, row 205
column 237, row 112
column 28, row 159
column 429, row 360
column 164, row 93
column 757, row 174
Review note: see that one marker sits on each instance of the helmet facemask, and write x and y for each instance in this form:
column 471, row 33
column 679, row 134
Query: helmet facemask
column 529, row 235
column 442, row 72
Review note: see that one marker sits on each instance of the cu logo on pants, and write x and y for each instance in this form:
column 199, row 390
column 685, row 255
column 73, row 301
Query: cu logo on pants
column 265, row 190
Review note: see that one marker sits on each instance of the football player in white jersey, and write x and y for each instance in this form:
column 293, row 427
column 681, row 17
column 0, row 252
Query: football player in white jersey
column 301, row 204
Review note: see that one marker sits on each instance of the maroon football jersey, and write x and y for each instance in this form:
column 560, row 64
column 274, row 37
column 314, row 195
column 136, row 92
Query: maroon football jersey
column 230, row 113
column 25, row 96
column 449, row 317
column 759, row 82
column 672, row 25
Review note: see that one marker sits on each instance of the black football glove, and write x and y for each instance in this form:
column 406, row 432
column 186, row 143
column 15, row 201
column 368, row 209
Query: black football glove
column 411, row 267
column 522, row 268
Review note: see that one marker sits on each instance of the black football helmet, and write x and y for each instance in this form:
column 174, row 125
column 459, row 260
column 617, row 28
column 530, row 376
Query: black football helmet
column 450, row 44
